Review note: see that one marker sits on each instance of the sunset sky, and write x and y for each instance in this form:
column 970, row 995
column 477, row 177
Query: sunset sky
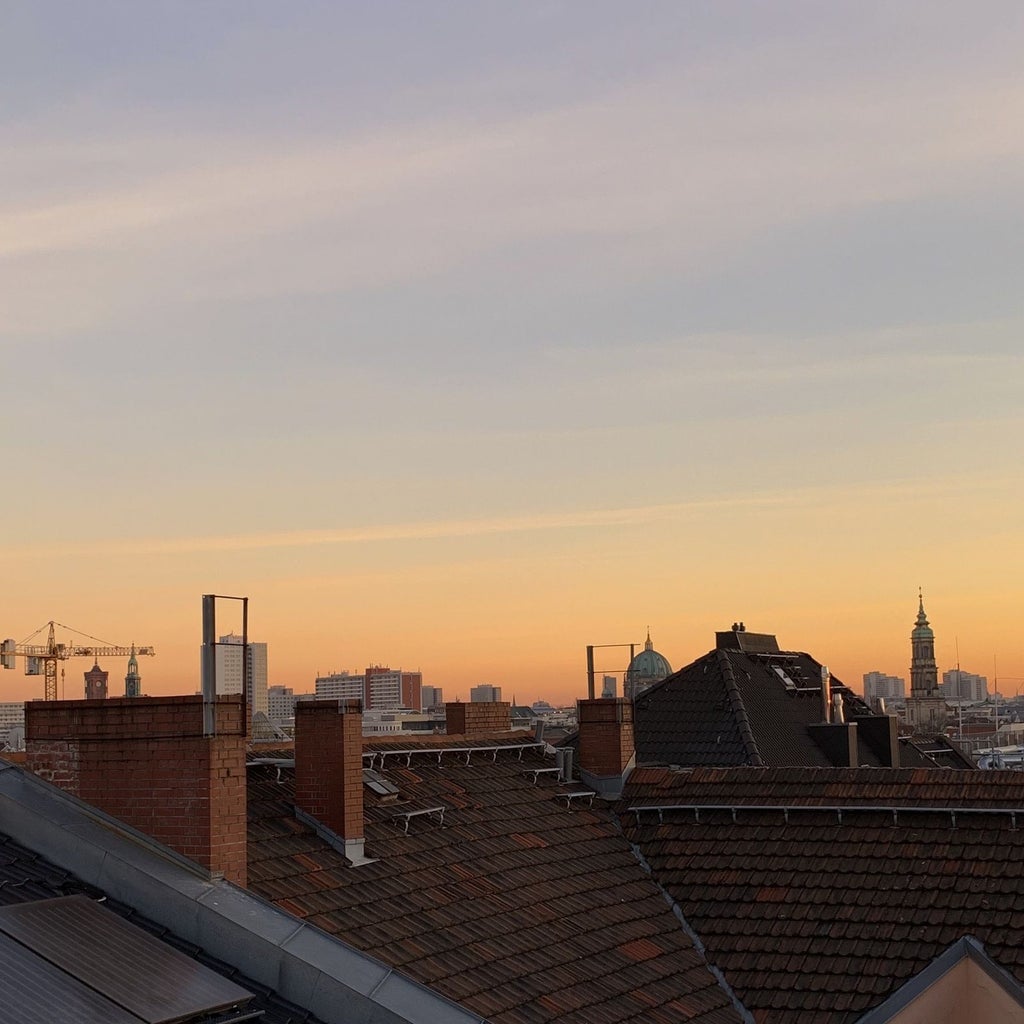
column 458, row 336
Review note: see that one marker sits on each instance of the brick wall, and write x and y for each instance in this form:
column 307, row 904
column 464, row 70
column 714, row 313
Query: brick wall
column 145, row 760
column 606, row 735
column 329, row 764
column 477, row 718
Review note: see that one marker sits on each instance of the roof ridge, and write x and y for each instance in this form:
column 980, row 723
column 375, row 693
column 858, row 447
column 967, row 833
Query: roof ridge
column 736, row 701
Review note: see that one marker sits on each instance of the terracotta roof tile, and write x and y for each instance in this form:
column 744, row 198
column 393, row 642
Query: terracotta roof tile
column 520, row 908
column 819, row 914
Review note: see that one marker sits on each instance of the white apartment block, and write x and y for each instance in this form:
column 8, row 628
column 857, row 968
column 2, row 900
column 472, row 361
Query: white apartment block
column 341, row 686
column 12, row 718
column 228, row 653
column 878, row 684
column 281, row 703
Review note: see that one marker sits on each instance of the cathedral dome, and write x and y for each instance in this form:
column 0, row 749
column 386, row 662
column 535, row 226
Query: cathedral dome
column 646, row 669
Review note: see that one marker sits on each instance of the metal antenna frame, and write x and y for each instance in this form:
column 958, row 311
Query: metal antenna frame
column 209, row 661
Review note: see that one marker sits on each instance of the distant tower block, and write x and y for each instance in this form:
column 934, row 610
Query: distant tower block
column 133, row 681
column 96, row 683
column 609, row 687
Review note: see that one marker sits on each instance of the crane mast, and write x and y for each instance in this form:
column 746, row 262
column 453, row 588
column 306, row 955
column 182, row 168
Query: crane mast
column 45, row 656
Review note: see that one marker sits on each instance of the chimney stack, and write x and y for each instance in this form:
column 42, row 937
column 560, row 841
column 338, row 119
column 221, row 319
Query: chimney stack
column 826, row 694
column 606, row 745
column 477, row 718
column 329, row 771
column 149, row 762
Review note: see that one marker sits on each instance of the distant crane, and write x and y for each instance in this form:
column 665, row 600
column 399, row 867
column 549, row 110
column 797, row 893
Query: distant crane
column 47, row 655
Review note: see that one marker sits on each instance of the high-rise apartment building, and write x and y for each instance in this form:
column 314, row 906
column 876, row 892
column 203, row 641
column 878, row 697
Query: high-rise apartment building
column 12, row 725
column 281, row 703
column 341, row 686
column 228, row 659
column 960, row 685
column 878, row 684
column 379, row 688
column 609, row 687
column 485, row 694
column 431, row 697
column 96, row 683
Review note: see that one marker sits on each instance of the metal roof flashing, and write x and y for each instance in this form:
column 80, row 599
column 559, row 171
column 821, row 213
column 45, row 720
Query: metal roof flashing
column 305, row 965
column 965, row 947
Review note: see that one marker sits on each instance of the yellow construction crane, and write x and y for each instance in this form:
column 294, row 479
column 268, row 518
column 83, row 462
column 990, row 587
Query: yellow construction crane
column 41, row 659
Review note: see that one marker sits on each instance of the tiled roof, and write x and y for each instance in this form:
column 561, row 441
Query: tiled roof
column 26, row 877
column 816, row 915
column 519, row 907
column 732, row 707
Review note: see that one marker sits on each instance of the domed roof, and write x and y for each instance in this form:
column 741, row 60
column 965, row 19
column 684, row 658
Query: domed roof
column 648, row 666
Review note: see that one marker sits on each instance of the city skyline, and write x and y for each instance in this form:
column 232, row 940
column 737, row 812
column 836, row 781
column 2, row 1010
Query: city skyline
column 460, row 337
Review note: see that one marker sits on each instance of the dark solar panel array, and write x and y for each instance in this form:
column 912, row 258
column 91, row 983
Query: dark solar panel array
column 80, row 944
column 36, row 992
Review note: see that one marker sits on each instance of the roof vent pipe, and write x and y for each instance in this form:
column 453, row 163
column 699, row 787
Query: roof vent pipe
column 826, row 694
column 837, row 709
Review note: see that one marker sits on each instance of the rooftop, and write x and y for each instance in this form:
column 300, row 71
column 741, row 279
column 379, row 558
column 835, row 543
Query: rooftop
column 812, row 898
column 520, row 904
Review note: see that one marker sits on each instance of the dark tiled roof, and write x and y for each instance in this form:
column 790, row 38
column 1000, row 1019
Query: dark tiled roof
column 813, row 916
column 932, row 751
column 26, row 877
column 519, row 908
column 732, row 707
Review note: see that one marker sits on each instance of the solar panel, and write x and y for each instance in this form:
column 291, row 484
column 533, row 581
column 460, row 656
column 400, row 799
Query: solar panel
column 130, row 967
column 35, row 992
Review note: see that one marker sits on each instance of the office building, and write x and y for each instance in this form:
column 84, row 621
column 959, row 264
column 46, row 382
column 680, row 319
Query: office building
column 485, row 694
column 609, row 687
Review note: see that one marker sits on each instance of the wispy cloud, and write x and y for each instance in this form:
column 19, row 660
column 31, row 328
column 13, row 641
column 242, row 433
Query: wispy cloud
column 636, row 515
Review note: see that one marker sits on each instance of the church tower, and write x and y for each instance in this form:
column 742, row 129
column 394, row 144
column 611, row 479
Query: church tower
column 96, row 682
column 133, row 681
column 926, row 707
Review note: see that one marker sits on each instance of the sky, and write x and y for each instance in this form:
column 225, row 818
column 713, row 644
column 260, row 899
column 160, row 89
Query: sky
column 459, row 336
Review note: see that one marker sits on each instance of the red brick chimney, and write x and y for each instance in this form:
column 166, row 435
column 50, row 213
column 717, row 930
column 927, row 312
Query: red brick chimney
column 477, row 718
column 606, row 745
column 329, row 770
column 146, row 761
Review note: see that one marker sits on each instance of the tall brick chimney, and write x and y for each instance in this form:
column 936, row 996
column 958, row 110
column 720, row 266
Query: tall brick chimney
column 329, row 771
column 606, row 745
column 477, row 718
column 146, row 761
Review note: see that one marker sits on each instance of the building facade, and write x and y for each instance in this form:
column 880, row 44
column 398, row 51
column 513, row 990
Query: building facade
column 878, row 685
column 485, row 694
column 960, row 685
column 133, row 681
column 379, row 687
column 431, row 697
column 96, row 682
column 926, row 710
column 228, row 658
column 646, row 669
